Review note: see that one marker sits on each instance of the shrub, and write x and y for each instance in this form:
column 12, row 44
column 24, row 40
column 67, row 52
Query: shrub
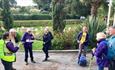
column 32, row 23
column 95, row 25
column 32, row 17
column 65, row 40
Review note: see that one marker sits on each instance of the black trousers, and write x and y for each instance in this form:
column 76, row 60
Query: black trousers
column 112, row 65
column 7, row 65
column 28, row 49
column 45, row 50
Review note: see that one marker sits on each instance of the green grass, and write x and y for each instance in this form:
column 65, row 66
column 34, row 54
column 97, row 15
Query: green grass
column 37, row 45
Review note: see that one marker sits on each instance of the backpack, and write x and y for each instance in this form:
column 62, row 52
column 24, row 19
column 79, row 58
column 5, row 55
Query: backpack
column 1, row 48
column 111, row 48
column 82, row 61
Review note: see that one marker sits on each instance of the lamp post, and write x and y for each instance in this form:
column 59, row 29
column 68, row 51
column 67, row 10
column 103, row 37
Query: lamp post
column 114, row 18
column 109, row 12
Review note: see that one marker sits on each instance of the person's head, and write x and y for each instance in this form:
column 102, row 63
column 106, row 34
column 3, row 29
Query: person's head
column 6, row 36
column 111, row 30
column 12, row 32
column 46, row 30
column 100, row 36
column 85, row 29
column 29, row 30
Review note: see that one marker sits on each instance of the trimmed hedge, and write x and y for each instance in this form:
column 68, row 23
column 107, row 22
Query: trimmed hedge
column 32, row 23
column 32, row 17
column 40, row 17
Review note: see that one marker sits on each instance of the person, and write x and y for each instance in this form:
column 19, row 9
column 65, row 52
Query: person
column 27, row 41
column 47, row 37
column 83, row 39
column 111, row 48
column 101, row 51
column 13, row 37
column 9, row 52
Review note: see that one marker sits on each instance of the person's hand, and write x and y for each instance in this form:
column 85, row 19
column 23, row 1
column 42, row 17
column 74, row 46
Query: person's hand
column 93, row 50
column 27, row 40
column 78, row 41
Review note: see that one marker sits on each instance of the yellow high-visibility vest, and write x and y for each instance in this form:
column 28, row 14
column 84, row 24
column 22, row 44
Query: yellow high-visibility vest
column 5, row 54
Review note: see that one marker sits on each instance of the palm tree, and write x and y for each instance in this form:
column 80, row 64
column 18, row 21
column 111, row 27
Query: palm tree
column 95, row 4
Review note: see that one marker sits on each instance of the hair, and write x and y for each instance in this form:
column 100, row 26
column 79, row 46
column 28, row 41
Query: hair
column 5, row 35
column 100, row 35
column 12, row 30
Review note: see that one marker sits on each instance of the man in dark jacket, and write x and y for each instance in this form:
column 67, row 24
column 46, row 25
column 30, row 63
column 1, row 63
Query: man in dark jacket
column 47, row 37
column 27, row 41
column 82, row 39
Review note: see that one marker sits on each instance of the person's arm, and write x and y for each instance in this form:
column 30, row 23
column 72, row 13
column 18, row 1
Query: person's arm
column 11, row 47
column 78, row 36
column 51, row 36
column 100, row 50
column 23, row 39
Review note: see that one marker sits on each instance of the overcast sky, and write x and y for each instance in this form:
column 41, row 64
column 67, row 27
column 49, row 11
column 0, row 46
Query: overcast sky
column 25, row 2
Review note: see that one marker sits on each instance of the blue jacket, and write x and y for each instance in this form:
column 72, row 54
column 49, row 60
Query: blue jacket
column 25, row 37
column 111, row 49
column 101, row 53
column 79, row 38
column 47, row 39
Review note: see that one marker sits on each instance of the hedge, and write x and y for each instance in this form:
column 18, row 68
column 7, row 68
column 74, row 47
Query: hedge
column 39, row 17
column 32, row 17
column 33, row 23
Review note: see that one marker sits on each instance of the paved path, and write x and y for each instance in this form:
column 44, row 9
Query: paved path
column 57, row 61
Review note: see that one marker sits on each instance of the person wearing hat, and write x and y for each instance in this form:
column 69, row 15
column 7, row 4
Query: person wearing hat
column 27, row 41
column 9, row 51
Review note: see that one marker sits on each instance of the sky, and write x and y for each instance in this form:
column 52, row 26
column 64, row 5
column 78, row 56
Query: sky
column 25, row 2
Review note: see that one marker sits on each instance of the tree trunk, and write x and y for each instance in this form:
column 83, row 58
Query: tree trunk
column 58, row 15
column 94, row 7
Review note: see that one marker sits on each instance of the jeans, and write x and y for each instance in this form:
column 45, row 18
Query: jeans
column 82, row 49
column 100, row 68
column 28, row 50
column 7, row 65
column 112, row 65
column 45, row 50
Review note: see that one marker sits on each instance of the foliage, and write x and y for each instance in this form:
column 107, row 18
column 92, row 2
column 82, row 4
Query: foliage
column 94, row 26
column 43, row 4
column 58, row 15
column 67, row 39
column 7, row 17
column 32, row 17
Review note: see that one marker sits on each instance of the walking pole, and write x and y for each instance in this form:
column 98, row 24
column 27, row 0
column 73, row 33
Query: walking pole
column 90, row 61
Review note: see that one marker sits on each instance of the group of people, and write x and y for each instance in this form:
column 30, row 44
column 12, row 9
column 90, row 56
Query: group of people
column 104, row 56
column 11, row 46
column 105, row 50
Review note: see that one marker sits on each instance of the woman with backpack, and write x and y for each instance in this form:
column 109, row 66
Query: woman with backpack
column 101, row 51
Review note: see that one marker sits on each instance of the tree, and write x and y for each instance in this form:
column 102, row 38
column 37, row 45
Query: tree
column 95, row 4
column 43, row 4
column 6, row 14
column 75, row 7
column 58, row 15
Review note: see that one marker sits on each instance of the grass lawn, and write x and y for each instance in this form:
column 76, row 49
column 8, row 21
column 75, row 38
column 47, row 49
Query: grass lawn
column 37, row 45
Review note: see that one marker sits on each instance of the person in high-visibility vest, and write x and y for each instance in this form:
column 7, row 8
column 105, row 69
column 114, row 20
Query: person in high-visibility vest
column 83, row 39
column 9, row 52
